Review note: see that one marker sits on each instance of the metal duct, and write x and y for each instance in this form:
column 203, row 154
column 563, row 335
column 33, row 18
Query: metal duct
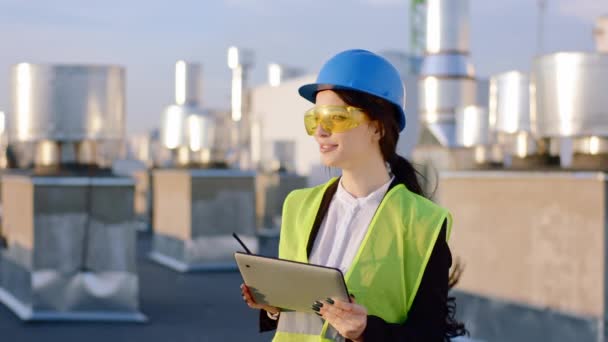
column 590, row 145
column 447, row 79
column 172, row 127
column 510, row 102
column 240, row 62
column 473, row 127
column 447, row 26
column 186, row 129
column 510, row 111
column 187, row 83
column 201, row 128
column 475, row 131
column 279, row 73
column 189, row 127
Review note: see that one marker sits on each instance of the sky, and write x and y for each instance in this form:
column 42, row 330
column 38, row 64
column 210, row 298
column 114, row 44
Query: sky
column 148, row 37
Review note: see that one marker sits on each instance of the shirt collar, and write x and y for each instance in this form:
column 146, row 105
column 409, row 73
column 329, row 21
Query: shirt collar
column 376, row 196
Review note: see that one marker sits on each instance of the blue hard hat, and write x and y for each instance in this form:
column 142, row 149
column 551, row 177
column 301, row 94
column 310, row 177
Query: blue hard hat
column 362, row 71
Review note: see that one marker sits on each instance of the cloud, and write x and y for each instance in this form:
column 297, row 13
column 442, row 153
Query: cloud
column 586, row 10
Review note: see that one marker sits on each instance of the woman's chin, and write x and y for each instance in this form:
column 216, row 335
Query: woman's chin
column 330, row 162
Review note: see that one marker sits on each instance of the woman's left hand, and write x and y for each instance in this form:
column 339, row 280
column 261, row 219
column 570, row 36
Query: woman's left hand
column 349, row 319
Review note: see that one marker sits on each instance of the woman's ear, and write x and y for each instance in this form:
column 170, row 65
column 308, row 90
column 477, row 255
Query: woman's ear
column 377, row 130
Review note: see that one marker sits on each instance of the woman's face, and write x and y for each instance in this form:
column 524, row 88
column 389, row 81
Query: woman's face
column 350, row 149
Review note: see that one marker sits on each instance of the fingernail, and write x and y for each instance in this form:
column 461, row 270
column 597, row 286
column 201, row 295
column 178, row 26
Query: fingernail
column 330, row 301
column 318, row 314
column 352, row 295
column 317, row 303
column 316, row 308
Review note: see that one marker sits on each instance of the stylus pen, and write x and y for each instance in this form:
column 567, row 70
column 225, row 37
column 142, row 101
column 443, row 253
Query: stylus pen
column 241, row 242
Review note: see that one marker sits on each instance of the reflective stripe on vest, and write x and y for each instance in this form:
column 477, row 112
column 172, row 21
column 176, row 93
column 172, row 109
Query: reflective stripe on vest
column 302, row 326
column 386, row 271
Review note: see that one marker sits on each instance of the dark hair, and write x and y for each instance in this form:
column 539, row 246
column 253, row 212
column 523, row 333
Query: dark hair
column 385, row 113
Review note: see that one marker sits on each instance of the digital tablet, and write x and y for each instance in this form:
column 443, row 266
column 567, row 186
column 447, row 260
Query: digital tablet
column 289, row 285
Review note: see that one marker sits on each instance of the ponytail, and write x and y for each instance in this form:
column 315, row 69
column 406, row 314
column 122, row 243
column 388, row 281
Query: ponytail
column 454, row 328
column 406, row 174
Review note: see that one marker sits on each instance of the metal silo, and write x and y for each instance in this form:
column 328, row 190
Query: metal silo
column 570, row 105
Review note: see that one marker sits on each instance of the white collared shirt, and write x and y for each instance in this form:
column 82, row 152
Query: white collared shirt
column 344, row 227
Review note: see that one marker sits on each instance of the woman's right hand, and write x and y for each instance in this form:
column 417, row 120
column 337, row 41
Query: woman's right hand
column 252, row 304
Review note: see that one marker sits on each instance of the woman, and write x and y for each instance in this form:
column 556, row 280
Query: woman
column 373, row 223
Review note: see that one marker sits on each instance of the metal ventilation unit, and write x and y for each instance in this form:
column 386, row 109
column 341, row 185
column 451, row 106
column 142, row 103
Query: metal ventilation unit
column 68, row 220
column 198, row 201
column 67, row 115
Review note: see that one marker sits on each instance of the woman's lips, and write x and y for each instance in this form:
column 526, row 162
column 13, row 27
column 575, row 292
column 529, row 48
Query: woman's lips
column 324, row 148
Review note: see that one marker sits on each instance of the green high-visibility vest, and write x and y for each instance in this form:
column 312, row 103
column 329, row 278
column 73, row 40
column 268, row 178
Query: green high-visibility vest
column 388, row 267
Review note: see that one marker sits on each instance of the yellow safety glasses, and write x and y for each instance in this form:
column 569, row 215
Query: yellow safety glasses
column 333, row 118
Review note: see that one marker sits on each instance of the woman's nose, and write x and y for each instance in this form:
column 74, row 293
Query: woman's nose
column 320, row 132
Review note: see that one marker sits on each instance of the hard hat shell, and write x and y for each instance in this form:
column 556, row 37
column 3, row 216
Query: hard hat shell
column 362, row 71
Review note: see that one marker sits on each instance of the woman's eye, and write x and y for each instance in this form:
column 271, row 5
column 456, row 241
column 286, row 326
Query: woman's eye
column 338, row 117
